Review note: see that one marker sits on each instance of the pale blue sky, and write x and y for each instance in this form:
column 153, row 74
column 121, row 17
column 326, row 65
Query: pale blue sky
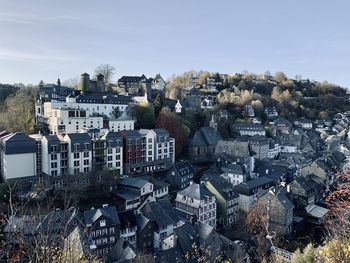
column 42, row 39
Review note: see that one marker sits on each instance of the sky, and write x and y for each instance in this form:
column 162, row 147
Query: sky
column 44, row 40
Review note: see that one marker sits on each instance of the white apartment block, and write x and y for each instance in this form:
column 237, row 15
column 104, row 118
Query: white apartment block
column 116, row 125
column 79, row 153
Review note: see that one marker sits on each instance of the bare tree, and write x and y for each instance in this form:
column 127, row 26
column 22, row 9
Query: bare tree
column 107, row 71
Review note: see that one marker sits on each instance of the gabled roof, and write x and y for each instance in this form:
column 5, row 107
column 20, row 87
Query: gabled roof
column 246, row 188
column 127, row 219
column 161, row 212
column 183, row 167
column 133, row 182
column 18, row 143
column 205, row 136
column 79, row 136
column 195, row 191
column 92, row 215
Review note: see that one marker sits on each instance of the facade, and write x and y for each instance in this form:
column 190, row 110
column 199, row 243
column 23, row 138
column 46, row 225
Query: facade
column 248, row 111
column 258, row 144
column 128, row 227
column 121, row 124
column 196, row 203
column 136, row 85
column 79, row 111
column 280, row 211
column 250, row 129
column 79, row 153
column 180, row 175
column 226, row 198
column 178, row 107
column 102, row 226
column 147, row 150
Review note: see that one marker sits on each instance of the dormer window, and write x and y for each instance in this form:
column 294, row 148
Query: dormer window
column 102, row 223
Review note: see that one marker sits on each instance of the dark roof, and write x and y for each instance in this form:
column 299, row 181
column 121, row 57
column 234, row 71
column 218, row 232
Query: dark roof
column 247, row 188
column 127, row 219
column 131, row 78
column 18, row 143
column 222, row 186
column 248, row 126
column 161, row 131
column 161, row 212
column 92, row 215
column 195, row 191
column 183, row 167
column 133, row 182
column 205, row 136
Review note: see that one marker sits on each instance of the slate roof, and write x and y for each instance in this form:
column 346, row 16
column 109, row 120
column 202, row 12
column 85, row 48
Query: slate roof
column 18, row 143
column 205, row 136
column 92, row 215
column 133, row 182
column 225, row 189
column 183, row 167
column 280, row 194
column 247, row 188
column 233, row 148
column 195, row 191
column 78, row 137
column 161, row 212
column 127, row 219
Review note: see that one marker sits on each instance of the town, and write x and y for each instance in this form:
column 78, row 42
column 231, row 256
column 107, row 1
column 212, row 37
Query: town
column 203, row 167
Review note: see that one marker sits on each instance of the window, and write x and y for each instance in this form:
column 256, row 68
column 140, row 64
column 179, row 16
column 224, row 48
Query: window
column 109, row 151
column 86, row 162
column 105, row 240
column 86, row 146
column 76, row 147
column 98, row 233
column 86, row 154
column 54, row 165
column 86, row 169
column 110, row 158
column 76, row 155
column 111, row 230
column 102, row 223
column 104, row 231
column 76, row 163
column 53, row 156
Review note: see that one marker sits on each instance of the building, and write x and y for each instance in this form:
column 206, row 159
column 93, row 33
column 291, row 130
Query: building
column 79, row 153
column 271, row 112
column 141, row 186
column 180, row 175
column 226, row 198
column 280, row 211
column 248, row 111
column 79, row 111
column 248, row 191
column 128, row 227
column 86, row 84
column 178, row 107
column 202, row 145
column 158, row 83
column 102, row 226
column 258, row 144
column 18, row 157
column 236, row 152
column 136, row 85
column 147, row 151
column 196, row 203
column 249, row 129
column 160, row 215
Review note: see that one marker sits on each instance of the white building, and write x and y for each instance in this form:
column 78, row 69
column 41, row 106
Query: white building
column 178, row 107
column 79, row 153
column 158, row 83
column 70, row 120
column 18, row 156
column 121, row 124
column 196, row 202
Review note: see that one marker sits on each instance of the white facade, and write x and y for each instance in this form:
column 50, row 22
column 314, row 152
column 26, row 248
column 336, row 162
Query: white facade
column 115, row 157
column 70, row 120
column 92, row 108
column 18, row 165
column 129, row 234
column 79, row 158
column 233, row 179
column 121, row 124
column 178, row 107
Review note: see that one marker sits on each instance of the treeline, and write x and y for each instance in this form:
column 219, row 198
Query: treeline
column 17, row 113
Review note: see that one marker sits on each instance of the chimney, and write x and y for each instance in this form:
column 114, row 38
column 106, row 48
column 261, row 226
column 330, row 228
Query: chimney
column 288, row 188
column 105, row 205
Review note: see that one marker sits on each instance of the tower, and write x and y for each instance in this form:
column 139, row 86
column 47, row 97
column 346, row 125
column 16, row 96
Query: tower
column 213, row 124
column 84, row 82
